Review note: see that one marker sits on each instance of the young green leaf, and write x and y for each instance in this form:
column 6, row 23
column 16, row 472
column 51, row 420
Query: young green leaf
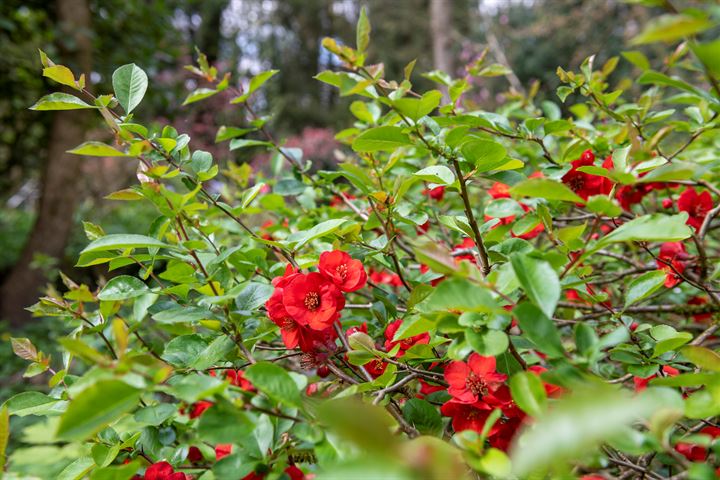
column 60, row 101
column 130, row 83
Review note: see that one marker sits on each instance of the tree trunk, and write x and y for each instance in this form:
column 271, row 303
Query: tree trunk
column 61, row 176
column 440, row 31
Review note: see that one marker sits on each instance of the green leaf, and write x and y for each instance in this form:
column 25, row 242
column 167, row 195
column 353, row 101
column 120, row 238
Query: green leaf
column 238, row 143
column 643, row 286
column 637, row 58
column 31, row 403
column 545, row 188
column 298, row 239
column 539, row 329
column 199, row 94
column 578, row 424
column 439, row 174
column 386, row 138
column 704, row 358
column 253, row 296
column 416, row 108
column 116, row 472
column 650, row 228
column 486, row 155
column 256, row 82
column 671, row 343
column 362, row 35
column 121, row 241
column 218, row 349
column 95, row 408
column 130, row 83
column 603, row 205
column 669, row 28
column 182, row 350
column 155, row 414
column 275, row 382
column 223, row 423
column 456, row 294
column 423, row 416
column 60, row 101
column 528, row 392
column 122, row 288
column 487, row 341
column 62, row 75
column 539, row 281
column 180, row 314
column 97, row 149
column 709, row 55
column 78, row 469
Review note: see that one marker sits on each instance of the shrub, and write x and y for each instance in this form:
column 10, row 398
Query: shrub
column 531, row 291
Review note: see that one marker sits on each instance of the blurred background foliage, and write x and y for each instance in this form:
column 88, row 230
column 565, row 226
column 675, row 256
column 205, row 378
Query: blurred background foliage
column 245, row 37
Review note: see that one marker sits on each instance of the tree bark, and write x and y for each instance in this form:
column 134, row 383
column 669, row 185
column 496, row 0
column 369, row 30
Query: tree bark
column 440, row 31
column 61, row 178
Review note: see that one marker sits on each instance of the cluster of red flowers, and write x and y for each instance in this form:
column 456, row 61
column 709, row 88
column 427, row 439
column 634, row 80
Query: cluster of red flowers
column 585, row 184
column 697, row 205
column 477, row 389
column 305, row 305
column 673, row 259
column 501, row 190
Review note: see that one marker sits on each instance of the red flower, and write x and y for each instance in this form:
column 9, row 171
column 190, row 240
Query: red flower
column 468, row 416
column 163, row 471
column 629, row 195
column 667, row 203
column 499, row 190
column 293, row 334
column 436, row 193
column 697, row 453
column 375, row 367
column 470, row 382
column 237, row 378
column 313, row 301
column 426, row 388
column 198, row 408
column 337, row 200
column 222, row 450
column 585, row 184
column 697, row 206
column 294, row 473
column 405, row 343
column 385, row 277
column 699, row 317
column 642, row 383
column 195, row 455
column 345, row 272
column 674, row 254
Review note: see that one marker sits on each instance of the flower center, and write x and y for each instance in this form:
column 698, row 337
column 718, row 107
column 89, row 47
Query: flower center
column 476, row 385
column 700, row 210
column 342, row 270
column 577, row 183
column 312, row 301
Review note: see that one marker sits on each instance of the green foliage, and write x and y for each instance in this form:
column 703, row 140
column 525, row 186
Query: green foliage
column 518, row 290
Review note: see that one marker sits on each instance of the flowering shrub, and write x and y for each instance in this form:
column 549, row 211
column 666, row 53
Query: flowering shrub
column 527, row 292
